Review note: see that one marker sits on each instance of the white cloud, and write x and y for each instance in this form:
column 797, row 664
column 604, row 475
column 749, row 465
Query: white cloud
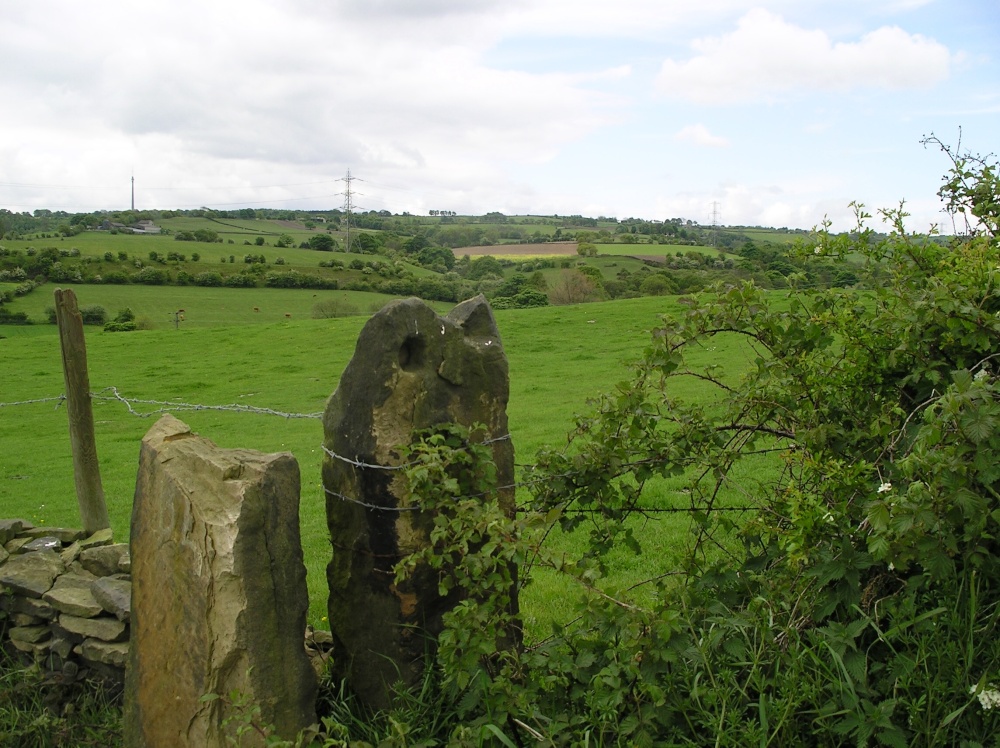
column 699, row 135
column 766, row 57
column 287, row 92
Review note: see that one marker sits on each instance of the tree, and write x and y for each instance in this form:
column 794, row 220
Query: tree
column 365, row 243
column 654, row 285
column 321, row 242
column 486, row 266
column 441, row 256
column 573, row 287
column 415, row 244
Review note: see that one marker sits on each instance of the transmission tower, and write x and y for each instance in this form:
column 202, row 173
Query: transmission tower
column 715, row 223
column 348, row 205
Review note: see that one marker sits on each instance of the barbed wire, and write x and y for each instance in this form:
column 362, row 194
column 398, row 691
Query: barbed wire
column 173, row 405
column 166, row 406
column 58, row 400
column 170, row 405
column 402, row 466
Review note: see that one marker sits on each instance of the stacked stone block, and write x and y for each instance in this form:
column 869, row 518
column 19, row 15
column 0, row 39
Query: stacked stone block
column 65, row 599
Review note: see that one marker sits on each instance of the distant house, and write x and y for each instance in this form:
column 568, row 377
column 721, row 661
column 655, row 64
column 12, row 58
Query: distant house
column 140, row 227
column 145, row 227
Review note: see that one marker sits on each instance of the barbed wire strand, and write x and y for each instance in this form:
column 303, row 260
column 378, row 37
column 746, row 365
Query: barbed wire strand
column 169, row 405
column 374, row 466
column 58, row 400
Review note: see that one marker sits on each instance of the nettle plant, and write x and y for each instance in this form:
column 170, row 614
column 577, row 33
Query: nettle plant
column 854, row 599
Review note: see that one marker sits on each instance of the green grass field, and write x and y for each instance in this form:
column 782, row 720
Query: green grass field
column 559, row 357
column 214, row 255
column 203, row 307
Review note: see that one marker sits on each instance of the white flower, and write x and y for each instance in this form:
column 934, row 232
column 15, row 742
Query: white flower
column 818, row 251
column 981, row 374
column 887, row 486
column 989, row 698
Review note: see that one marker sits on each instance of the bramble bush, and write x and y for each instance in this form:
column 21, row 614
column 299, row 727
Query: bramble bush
column 854, row 598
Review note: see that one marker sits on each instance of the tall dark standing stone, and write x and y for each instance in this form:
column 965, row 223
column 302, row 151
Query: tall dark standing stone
column 411, row 370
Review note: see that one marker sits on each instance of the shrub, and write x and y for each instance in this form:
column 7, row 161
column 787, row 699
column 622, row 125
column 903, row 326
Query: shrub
column 209, row 278
column 330, row 308
column 116, row 277
column 322, row 242
column 124, row 321
column 7, row 317
column 149, row 276
column 524, row 299
column 120, row 327
column 240, row 280
column 92, row 315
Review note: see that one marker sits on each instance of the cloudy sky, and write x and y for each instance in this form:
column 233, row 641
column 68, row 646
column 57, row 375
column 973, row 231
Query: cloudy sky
column 761, row 112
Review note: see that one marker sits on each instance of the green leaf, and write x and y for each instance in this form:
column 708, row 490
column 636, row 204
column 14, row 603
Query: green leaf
column 977, row 424
column 962, row 379
column 499, row 734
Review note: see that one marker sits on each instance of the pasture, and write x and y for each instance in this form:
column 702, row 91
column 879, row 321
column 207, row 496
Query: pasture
column 156, row 306
column 212, row 255
column 559, row 357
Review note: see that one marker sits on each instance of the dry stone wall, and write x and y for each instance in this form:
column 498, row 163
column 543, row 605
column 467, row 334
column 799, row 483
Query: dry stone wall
column 65, row 599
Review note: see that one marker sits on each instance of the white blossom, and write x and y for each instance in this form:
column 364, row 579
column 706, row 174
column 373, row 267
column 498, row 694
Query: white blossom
column 818, row 251
column 887, row 486
column 989, row 698
column 981, row 374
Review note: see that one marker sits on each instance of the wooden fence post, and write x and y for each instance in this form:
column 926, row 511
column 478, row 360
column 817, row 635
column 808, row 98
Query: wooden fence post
column 86, row 469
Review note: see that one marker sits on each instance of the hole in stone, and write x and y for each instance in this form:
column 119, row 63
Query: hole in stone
column 411, row 353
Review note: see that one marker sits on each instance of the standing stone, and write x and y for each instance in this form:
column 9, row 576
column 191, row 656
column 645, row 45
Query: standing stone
column 219, row 595
column 411, row 370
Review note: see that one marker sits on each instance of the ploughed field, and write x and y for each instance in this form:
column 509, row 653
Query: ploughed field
column 541, row 249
